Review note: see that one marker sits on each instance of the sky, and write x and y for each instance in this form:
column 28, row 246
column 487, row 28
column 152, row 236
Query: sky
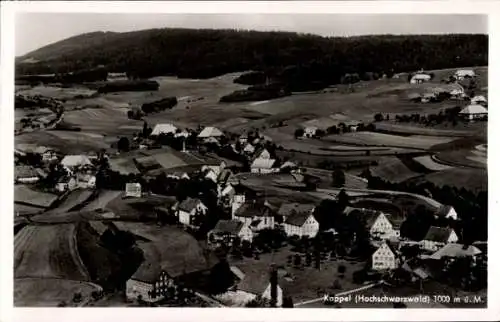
column 35, row 30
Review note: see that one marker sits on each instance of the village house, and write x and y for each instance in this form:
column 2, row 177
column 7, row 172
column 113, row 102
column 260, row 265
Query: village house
column 47, row 153
column 85, row 180
column 133, row 189
column 461, row 74
column 479, row 99
column 437, row 237
column 243, row 139
column 454, row 250
column 66, row 183
column 258, row 284
column 190, row 210
column 249, row 149
column 378, row 224
column 286, row 210
column 301, row 224
column 310, row 131
column 263, row 166
column 75, row 162
column 164, row 128
column 257, row 215
column 226, row 231
column 384, row 258
column 226, row 194
column 262, row 153
column 473, row 112
column 25, row 174
column 420, row 78
column 210, row 131
column 448, row 212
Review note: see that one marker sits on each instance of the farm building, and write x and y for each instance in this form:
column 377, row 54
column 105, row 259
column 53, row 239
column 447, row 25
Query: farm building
column 66, row 183
column 262, row 153
column 25, row 174
column 473, row 112
column 437, row 237
column 75, row 161
column 48, row 154
column 85, row 181
column 384, row 258
column 189, row 210
column 256, row 284
column 133, row 190
column 255, row 214
column 243, row 138
column 378, row 224
column 249, row 149
column 420, row 78
column 464, row 73
column 210, row 131
column 301, row 224
column 454, row 250
column 226, row 231
column 479, row 99
column 164, row 128
column 263, row 166
column 310, row 131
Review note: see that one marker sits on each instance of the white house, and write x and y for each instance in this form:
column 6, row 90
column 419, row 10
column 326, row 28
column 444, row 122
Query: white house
column 237, row 203
column 211, row 175
column 384, row 258
column 144, row 285
column 310, row 131
column 48, row 154
column 258, row 284
column 164, row 128
column 243, row 139
column 287, row 209
column 454, row 250
column 420, row 78
column 75, row 161
column 210, row 131
column 437, row 237
column 249, row 149
column 448, row 212
column 464, row 73
column 264, row 166
column 262, row 153
column 301, row 224
column 189, row 211
column 66, row 183
column 382, row 227
column 226, row 231
column 133, row 190
column 256, row 215
column 473, row 112
column 479, row 99
column 85, row 181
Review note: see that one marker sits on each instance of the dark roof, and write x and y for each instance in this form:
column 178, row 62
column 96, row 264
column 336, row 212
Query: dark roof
column 228, row 226
column 297, row 218
column 287, row 209
column 254, row 209
column 255, row 282
column 438, row 234
column 189, row 204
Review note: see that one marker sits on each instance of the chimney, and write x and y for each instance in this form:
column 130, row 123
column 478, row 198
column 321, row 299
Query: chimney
column 274, row 286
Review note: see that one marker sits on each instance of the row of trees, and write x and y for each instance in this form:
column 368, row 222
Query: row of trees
column 303, row 61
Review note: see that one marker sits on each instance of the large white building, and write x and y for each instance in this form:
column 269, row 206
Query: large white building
column 437, row 237
column 301, row 224
column 164, row 128
column 473, row 112
column 384, row 258
column 190, row 211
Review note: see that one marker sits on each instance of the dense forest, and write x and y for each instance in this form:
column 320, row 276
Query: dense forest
column 291, row 57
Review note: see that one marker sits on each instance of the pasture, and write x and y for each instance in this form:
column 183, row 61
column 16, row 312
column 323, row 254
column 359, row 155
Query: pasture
column 470, row 179
column 393, row 170
column 60, row 93
column 428, row 162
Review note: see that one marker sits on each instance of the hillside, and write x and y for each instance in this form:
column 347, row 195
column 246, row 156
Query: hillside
column 295, row 58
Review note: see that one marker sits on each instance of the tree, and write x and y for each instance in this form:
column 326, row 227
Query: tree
column 145, row 132
column 299, row 133
column 378, row 117
column 338, row 178
column 123, row 144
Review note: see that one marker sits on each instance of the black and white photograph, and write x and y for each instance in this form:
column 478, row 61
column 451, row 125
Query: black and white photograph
column 250, row 160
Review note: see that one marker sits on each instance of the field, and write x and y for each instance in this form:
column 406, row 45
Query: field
column 48, row 252
column 24, row 194
column 50, row 292
column 461, row 130
column 471, row 179
column 429, row 163
column 380, row 139
column 74, row 199
column 393, row 170
column 57, row 92
column 77, row 142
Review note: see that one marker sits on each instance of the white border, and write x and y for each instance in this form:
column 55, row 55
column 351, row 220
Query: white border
column 97, row 314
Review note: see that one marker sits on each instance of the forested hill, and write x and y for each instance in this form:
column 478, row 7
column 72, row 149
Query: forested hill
column 208, row 53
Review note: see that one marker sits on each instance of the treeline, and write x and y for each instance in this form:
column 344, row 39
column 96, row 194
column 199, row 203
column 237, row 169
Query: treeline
column 298, row 59
column 79, row 76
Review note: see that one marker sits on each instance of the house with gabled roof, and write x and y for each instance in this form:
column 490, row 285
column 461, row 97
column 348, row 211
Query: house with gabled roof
column 464, row 73
column 72, row 162
column 190, row 211
column 258, row 284
column 163, row 128
column 257, row 215
column 286, row 209
column 210, row 131
column 301, row 223
column 473, row 112
column 264, row 166
column 384, row 258
column 379, row 224
column 226, row 231
column 447, row 212
column 479, row 99
column 454, row 250
column 437, row 237
column 262, row 153
column 249, row 149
